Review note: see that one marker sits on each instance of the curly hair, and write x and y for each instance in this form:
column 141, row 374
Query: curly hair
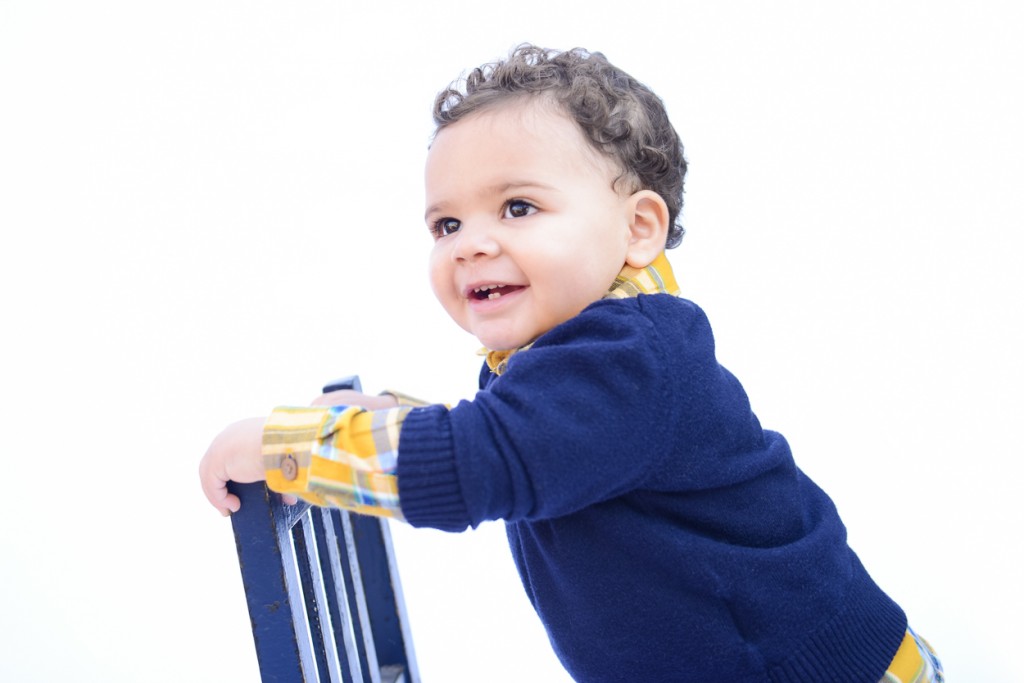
column 619, row 116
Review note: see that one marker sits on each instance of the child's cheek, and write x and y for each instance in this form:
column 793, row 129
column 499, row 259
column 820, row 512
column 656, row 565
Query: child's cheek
column 442, row 281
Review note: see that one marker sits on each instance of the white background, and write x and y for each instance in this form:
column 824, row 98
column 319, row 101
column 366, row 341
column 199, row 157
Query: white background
column 209, row 208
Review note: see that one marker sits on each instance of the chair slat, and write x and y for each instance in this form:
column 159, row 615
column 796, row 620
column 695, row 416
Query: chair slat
column 322, row 589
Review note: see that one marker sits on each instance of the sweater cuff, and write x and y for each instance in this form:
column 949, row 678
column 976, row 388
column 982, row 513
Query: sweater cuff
column 428, row 482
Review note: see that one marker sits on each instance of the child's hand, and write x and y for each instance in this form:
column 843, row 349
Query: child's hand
column 235, row 455
column 347, row 397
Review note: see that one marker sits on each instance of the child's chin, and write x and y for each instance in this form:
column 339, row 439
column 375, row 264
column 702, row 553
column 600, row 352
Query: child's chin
column 503, row 335
column 499, row 343
column 499, row 346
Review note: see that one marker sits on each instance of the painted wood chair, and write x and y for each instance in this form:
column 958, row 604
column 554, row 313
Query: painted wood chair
column 322, row 588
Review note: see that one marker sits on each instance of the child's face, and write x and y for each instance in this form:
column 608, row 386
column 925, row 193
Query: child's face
column 528, row 227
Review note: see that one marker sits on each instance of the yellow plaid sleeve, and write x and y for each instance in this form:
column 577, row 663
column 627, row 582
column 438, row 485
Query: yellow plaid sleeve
column 338, row 456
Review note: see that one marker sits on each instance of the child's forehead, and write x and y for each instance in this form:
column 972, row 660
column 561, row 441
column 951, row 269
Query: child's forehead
column 519, row 127
column 536, row 116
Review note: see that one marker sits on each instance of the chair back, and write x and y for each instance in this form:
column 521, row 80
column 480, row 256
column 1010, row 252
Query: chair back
column 322, row 588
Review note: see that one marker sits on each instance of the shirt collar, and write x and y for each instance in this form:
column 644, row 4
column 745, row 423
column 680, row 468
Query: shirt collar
column 657, row 278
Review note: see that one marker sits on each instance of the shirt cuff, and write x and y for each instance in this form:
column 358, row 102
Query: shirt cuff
column 288, row 440
column 339, row 456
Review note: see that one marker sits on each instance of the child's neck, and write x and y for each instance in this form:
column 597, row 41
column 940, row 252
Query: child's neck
column 656, row 278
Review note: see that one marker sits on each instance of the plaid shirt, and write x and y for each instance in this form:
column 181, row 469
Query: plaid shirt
column 345, row 456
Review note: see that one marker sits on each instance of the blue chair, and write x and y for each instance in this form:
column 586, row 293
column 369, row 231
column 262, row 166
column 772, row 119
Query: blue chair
column 322, row 589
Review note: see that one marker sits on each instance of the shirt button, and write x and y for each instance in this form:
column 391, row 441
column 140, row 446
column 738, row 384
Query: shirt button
column 289, row 468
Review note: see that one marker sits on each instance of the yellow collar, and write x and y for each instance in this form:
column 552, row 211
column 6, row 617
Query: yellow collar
column 657, row 278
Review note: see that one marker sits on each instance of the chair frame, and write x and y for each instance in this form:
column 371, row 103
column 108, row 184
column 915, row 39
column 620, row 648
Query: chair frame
column 322, row 588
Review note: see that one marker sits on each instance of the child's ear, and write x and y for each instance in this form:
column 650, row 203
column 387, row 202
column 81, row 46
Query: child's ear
column 648, row 228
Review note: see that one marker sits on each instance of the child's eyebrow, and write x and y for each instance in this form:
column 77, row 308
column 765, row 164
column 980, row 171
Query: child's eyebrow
column 434, row 209
column 502, row 188
column 496, row 189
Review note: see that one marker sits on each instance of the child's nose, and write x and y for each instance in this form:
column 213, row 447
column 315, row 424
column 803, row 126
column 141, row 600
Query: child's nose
column 474, row 241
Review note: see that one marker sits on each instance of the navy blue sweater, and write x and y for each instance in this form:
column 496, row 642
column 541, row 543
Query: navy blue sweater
column 660, row 532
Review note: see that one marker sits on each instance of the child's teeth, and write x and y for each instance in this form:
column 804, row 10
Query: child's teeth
column 489, row 288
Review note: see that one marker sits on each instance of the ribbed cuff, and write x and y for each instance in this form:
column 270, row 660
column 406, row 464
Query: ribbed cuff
column 428, row 483
column 854, row 646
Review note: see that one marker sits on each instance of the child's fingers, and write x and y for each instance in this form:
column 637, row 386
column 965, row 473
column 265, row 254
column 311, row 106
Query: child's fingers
column 215, row 488
column 234, row 455
column 231, row 504
column 342, row 397
column 226, row 503
column 216, row 491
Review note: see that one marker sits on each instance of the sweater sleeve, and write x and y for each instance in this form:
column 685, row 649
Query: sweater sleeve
column 596, row 408
column 579, row 418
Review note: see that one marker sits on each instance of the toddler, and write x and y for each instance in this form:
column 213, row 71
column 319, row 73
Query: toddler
column 661, row 534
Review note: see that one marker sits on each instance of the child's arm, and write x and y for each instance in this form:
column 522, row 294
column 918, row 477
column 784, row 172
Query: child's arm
column 236, row 454
column 338, row 456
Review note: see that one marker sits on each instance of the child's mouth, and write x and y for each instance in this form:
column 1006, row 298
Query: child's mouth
column 492, row 291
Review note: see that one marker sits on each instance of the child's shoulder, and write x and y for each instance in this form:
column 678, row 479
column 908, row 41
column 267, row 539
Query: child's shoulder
column 642, row 335
column 655, row 306
column 669, row 317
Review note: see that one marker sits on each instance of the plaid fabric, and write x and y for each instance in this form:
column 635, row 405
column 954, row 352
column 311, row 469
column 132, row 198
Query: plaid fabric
column 656, row 278
column 346, row 457
column 915, row 662
column 340, row 456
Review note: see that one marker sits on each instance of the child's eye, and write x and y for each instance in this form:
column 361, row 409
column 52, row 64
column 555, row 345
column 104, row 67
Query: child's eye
column 518, row 208
column 445, row 226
